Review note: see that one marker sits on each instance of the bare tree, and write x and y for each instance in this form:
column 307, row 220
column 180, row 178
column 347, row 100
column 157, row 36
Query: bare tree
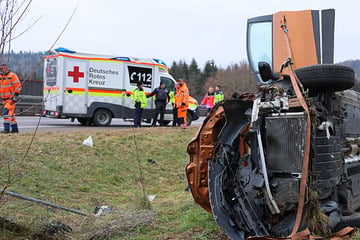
column 12, row 13
column 235, row 78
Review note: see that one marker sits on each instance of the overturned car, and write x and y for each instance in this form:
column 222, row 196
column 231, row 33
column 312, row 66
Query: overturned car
column 285, row 160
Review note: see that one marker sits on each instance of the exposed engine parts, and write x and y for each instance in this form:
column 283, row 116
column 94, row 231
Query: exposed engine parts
column 255, row 169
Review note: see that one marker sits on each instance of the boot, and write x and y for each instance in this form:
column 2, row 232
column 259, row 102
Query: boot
column 14, row 128
column 6, row 128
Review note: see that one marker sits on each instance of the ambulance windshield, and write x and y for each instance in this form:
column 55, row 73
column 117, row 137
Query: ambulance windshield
column 169, row 83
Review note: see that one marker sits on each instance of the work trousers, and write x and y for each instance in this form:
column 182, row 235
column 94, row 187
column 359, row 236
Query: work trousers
column 159, row 109
column 138, row 114
column 182, row 111
column 9, row 116
column 175, row 117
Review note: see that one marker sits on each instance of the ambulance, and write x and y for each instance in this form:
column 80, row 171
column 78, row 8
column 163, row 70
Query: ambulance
column 95, row 88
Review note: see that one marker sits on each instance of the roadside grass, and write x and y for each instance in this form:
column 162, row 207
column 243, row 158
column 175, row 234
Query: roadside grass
column 59, row 169
column 114, row 172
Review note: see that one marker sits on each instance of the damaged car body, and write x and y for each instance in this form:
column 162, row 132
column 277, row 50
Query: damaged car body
column 286, row 158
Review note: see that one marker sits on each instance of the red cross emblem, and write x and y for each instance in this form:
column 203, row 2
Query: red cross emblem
column 76, row 74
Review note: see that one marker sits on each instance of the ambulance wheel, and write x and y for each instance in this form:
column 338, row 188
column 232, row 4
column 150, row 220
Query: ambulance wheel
column 102, row 117
column 166, row 122
column 188, row 119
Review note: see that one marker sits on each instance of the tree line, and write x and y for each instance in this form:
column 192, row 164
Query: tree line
column 236, row 77
column 27, row 65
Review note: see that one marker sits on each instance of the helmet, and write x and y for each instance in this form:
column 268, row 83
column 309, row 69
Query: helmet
column 3, row 68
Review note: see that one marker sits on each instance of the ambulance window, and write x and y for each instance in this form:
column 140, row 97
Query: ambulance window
column 51, row 71
column 169, row 83
column 142, row 74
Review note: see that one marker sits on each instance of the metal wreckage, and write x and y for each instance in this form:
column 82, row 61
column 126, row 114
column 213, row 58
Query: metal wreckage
column 284, row 162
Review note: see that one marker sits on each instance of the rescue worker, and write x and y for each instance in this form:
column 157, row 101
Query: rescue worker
column 161, row 99
column 208, row 100
column 10, row 88
column 219, row 95
column 182, row 102
column 140, row 102
column 172, row 101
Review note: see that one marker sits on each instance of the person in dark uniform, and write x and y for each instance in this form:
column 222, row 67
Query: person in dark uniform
column 161, row 99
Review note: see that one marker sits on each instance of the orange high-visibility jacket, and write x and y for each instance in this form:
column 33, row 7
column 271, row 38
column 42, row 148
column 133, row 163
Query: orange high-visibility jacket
column 9, row 84
column 182, row 96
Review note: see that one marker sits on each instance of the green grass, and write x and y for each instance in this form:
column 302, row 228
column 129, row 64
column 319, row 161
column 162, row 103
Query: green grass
column 59, row 169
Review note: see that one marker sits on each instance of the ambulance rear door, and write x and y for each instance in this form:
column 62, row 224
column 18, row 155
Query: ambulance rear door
column 75, row 86
column 52, row 96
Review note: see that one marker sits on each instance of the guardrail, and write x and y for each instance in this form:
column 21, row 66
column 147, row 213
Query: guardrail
column 28, row 105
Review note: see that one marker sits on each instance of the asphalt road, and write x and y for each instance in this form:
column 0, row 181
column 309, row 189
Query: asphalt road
column 28, row 124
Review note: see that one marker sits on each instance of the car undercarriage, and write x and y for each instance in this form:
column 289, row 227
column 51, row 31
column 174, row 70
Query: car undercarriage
column 284, row 162
column 247, row 159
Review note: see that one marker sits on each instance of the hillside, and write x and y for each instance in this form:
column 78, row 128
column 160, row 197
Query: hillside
column 28, row 65
column 355, row 64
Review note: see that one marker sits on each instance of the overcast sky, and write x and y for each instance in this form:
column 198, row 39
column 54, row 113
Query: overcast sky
column 171, row 30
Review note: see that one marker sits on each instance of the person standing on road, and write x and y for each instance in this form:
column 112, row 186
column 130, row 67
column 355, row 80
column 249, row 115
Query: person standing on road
column 10, row 88
column 161, row 99
column 140, row 102
column 208, row 100
column 219, row 95
column 182, row 102
column 172, row 100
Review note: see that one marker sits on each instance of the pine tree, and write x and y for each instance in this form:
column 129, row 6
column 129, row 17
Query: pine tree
column 185, row 70
column 194, row 68
column 194, row 81
column 210, row 69
column 179, row 70
column 174, row 70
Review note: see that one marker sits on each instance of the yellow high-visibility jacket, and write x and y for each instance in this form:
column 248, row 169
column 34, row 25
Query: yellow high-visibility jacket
column 139, row 96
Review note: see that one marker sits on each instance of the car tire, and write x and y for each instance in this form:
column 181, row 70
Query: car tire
column 102, row 117
column 188, row 119
column 326, row 77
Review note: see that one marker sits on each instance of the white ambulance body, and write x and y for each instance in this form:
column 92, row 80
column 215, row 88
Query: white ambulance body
column 96, row 88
